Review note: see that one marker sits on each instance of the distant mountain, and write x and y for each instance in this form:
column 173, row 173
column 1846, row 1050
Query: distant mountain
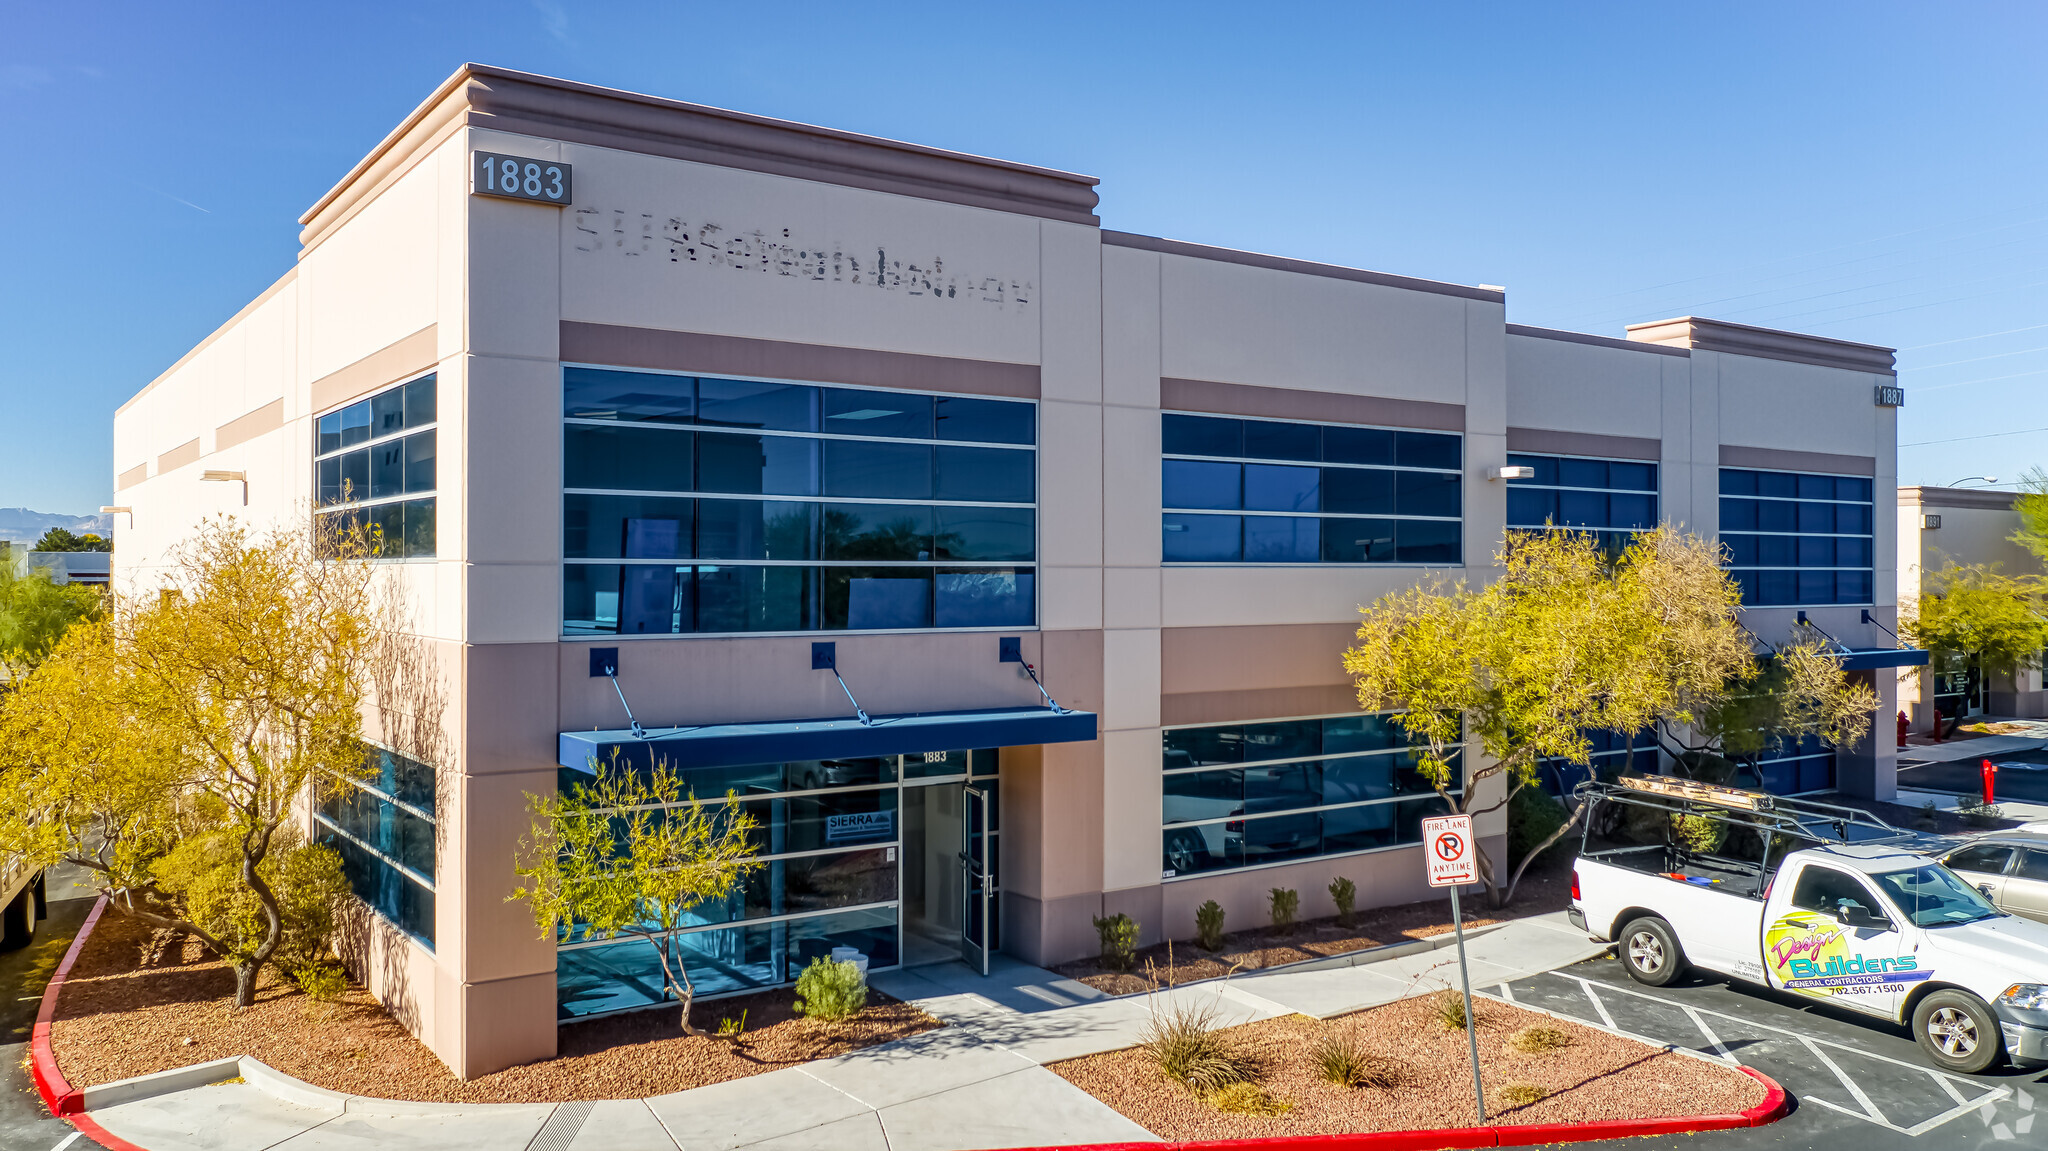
column 23, row 524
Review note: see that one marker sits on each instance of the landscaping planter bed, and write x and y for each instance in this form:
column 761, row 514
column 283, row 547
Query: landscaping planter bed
column 1252, row 949
column 1595, row 1076
column 139, row 1001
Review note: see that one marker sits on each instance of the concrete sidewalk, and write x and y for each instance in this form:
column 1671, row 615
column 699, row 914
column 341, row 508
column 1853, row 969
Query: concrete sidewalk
column 980, row 1082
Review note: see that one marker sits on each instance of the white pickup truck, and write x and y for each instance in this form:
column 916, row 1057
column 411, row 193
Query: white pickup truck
column 1811, row 899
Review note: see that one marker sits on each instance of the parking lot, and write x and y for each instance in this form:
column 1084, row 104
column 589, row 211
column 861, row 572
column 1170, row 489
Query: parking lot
column 1855, row 1085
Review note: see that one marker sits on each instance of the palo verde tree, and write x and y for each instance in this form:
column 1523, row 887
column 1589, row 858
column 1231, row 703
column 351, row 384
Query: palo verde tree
column 167, row 747
column 632, row 853
column 1562, row 644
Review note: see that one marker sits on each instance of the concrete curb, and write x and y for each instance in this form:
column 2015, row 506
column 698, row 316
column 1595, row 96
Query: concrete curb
column 65, row 1101
column 1362, row 956
column 1774, row 1107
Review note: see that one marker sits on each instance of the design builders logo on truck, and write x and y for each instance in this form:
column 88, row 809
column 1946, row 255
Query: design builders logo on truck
column 1811, row 952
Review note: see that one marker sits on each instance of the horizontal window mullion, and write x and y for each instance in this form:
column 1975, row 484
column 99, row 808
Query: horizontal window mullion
column 387, row 797
column 401, row 868
column 1526, row 486
column 1303, row 759
column 1310, row 463
column 1307, row 515
column 700, row 562
column 663, row 493
column 1293, row 862
column 1242, row 818
column 359, row 445
column 634, row 936
column 742, row 431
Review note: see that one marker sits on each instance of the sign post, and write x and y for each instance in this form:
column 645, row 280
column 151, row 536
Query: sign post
column 1447, row 849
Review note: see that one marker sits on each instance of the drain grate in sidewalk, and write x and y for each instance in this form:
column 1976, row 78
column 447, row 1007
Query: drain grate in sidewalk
column 561, row 1128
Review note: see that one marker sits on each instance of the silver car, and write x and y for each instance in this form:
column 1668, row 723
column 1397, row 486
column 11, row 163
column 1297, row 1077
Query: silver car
column 2009, row 867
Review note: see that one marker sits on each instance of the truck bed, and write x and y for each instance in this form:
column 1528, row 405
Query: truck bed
column 1719, row 873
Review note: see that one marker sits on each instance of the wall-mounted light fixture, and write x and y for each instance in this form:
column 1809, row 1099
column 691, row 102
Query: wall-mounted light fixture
column 109, row 509
column 1518, row 472
column 229, row 477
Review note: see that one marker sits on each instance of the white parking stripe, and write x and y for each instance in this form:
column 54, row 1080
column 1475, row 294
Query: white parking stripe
column 1597, row 1005
column 1713, row 1040
column 1507, row 993
column 67, row 1141
column 1870, row 1109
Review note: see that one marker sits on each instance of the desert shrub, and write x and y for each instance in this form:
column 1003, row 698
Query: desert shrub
column 1248, row 1099
column 1209, row 926
column 1183, row 1043
column 730, row 1028
column 1533, row 814
column 1538, row 1038
column 831, row 990
column 1449, row 1010
column 1344, row 894
column 1340, row 1058
column 204, row 874
column 1119, row 936
column 326, row 982
column 1285, row 905
column 1523, row 1094
column 1976, row 812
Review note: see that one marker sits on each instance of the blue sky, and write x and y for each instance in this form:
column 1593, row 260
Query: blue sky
column 1874, row 172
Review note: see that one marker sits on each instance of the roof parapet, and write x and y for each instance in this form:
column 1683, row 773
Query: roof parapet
column 1765, row 343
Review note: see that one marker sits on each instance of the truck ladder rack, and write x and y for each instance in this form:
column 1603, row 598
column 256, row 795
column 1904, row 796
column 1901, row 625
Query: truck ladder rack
column 1808, row 819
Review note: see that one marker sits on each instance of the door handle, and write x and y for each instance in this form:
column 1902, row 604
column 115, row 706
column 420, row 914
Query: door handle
column 1986, row 889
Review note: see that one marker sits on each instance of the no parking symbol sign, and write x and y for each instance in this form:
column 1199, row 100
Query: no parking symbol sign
column 1447, row 848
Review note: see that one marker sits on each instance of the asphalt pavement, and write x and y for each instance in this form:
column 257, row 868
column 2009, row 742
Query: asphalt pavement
column 1856, row 1085
column 24, row 1123
column 2018, row 777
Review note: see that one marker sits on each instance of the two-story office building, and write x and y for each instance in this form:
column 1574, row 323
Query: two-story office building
column 641, row 386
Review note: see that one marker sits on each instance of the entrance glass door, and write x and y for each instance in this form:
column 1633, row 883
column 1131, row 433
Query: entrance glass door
column 977, row 878
column 934, row 827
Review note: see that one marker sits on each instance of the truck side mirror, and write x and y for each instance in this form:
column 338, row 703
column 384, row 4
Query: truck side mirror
column 1857, row 915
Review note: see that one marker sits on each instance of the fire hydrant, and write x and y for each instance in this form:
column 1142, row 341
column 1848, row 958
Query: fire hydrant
column 1987, row 771
column 1905, row 725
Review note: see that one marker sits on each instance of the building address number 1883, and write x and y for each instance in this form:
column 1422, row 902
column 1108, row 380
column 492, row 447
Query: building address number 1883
column 518, row 178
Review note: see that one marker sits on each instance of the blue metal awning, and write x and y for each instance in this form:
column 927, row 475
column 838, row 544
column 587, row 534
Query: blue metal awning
column 727, row 744
column 1883, row 657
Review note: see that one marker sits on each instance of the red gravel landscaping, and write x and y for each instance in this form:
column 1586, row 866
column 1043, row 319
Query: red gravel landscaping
column 1542, row 890
column 140, row 1001
column 1593, row 1076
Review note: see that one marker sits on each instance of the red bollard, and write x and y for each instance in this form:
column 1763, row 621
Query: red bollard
column 1905, row 725
column 1987, row 771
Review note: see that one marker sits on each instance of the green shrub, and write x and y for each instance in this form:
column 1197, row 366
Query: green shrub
column 1248, row 1099
column 1523, row 1094
column 1119, row 936
column 1976, row 812
column 1209, row 926
column 1344, row 894
column 831, row 990
column 1183, row 1043
column 1538, row 1038
column 1533, row 814
column 326, row 982
column 1449, row 1009
column 730, row 1028
column 204, row 874
column 1700, row 834
column 1340, row 1058
column 1286, row 903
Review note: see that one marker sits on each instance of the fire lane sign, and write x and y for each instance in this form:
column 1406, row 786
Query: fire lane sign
column 1447, row 848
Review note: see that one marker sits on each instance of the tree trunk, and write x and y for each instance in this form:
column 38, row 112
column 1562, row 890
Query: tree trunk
column 245, row 983
column 1515, row 880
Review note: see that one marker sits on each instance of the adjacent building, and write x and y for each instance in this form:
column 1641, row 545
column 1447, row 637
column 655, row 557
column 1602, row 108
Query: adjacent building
column 1943, row 526
column 746, row 424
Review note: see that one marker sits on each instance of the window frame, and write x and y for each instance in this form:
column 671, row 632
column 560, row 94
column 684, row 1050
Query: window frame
column 1240, row 513
column 1722, row 532
column 399, row 437
column 819, row 500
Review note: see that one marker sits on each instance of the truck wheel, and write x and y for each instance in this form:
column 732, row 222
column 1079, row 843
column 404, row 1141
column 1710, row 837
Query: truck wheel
column 1649, row 952
column 1957, row 1032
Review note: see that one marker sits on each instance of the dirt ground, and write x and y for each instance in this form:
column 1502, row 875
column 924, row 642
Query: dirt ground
column 138, row 1001
column 1542, row 890
column 1596, row 1076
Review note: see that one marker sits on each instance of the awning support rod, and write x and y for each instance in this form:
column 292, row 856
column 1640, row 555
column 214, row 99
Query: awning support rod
column 1872, row 620
column 1010, row 649
column 825, row 657
column 612, row 674
column 1839, row 646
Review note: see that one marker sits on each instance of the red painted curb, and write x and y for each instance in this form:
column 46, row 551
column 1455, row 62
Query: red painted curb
column 1772, row 1109
column 65, row 1101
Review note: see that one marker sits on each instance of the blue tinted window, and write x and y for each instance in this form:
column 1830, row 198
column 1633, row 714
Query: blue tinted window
column 875, row 598
column 1829, row 559
column 770, row 407
column 1282, row 539
column 1626, row 476
column 1425, row 494
column 642, row 459
column 1777, row 516
column 1202, row 539
column 983, row 598
column 986, row 421
column 1578, row 509
column 1358, row 445
column 1201, row 436
column 1196, row 484
column 1273, row 441
column 590, row 394
column 1426, row 450
column 761, row 465
column 756, row 530
column 1358, row 541
column 1545, row 468
column 598, row 527
column 1632, row 511
column 1426, row 541
column 1737, row 483
column 888, row 471
column 1363, row 491
column 862, row 413
column 971, row 533
column 1577, row 473
column 1816, row 517
column 876, row 532
column 737, row 599
column 1531, row 507
column 330, row 433
column 1268, row 487
column 1738, row 515
column 992, row 475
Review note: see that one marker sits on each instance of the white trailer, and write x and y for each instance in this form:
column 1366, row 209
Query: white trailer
column 22, row 905
column 1815, row 900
